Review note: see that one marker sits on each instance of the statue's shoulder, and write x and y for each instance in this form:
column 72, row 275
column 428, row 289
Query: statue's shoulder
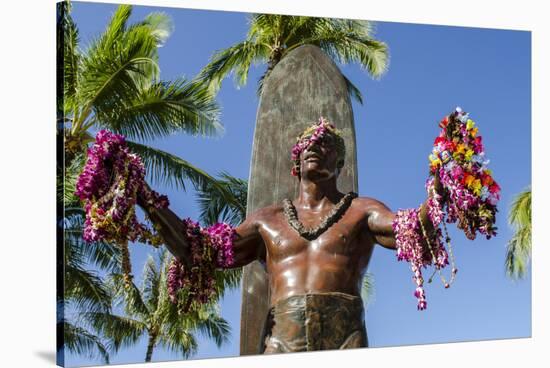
column 369, row 204
column 266, row 213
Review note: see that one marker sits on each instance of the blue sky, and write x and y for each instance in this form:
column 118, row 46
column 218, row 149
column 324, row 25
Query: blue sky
column 432, row 70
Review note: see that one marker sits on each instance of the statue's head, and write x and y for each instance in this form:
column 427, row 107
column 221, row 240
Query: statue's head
column 320, row 149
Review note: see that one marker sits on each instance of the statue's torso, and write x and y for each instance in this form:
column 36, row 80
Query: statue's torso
column 334, row 262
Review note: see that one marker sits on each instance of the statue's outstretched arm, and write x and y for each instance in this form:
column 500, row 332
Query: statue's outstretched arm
column 172, row 231
column 381, row 218
column 247, row 247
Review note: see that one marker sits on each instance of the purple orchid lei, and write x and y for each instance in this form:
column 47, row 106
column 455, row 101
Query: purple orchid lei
column 471, row 198
column 211, row 248
column 112, row 181
column 109, row 186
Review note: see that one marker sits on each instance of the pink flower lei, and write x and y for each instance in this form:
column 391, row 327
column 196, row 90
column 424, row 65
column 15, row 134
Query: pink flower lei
column 109, row 186
column 112, row 181
column 210, row 247
column 471, row 196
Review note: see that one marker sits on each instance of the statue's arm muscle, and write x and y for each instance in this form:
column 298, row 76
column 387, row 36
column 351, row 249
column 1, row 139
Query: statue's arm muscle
column 380, row 223
column 249, row 245
column 171, row 229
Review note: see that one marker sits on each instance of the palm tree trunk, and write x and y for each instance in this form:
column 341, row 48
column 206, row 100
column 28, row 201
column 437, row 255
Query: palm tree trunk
column 150, row 347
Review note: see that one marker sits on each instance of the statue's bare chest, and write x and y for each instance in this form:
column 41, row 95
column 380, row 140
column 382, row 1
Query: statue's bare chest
column 342, row 238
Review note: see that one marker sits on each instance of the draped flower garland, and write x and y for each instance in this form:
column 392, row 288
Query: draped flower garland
column 471, row 196
column 109, row 186
column 112, row 182
column 211, row 248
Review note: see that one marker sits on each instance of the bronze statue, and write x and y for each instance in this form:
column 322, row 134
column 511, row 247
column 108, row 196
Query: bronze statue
column 316, row 249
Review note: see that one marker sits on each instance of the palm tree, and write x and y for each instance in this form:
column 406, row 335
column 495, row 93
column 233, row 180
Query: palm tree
column 149, row 311
column 84, row 289
column 115, row 84
column 271, row 37
column 518, row 253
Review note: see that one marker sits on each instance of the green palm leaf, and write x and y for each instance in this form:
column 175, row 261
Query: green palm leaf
column 67, row 41
column 368, row 290
column 149, row 310
column 163, row 167
column 228, row 205
column 115, row 66
column 271, row 37
column 214, row 327
column 131, row 299
column 80, row 341
column 121, row 331
column 237, row 59
column 162, row 108
column 518, row 252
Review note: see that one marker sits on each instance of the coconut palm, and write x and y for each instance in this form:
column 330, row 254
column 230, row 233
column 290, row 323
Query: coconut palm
column 518, row 253
column 149, row 312
column 115, row 84
column 271, row 37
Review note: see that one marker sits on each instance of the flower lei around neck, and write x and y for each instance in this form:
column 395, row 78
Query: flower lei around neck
column 112, row 182
column 458, row 157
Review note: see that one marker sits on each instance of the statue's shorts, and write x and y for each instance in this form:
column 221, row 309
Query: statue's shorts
column 316, row 322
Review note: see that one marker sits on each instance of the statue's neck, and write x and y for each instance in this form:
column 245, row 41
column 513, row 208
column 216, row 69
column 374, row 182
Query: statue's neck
column 315, row 195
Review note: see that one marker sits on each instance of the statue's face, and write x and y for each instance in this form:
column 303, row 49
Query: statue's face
column 320, row 161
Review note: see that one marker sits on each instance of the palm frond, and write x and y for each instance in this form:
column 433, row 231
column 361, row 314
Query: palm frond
column 151, row 283
column 178, row 338
column 353, row 91
column 368, row 289
column 237, row 59
column 163, row 167
column 228, row 279
column 68, row 39
column 66, row 185
column 85, row 289
column 347, row 41
column 271, row 37
column 214, row 327
column 120, row 331
column 116, row 66
column 518, row 251
column 228, row 205
column 82, row 287
column 520, row 211
column 80, row 341
column 161, row 26
column 163, row 108
column 131, row 299
column 103, row 255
